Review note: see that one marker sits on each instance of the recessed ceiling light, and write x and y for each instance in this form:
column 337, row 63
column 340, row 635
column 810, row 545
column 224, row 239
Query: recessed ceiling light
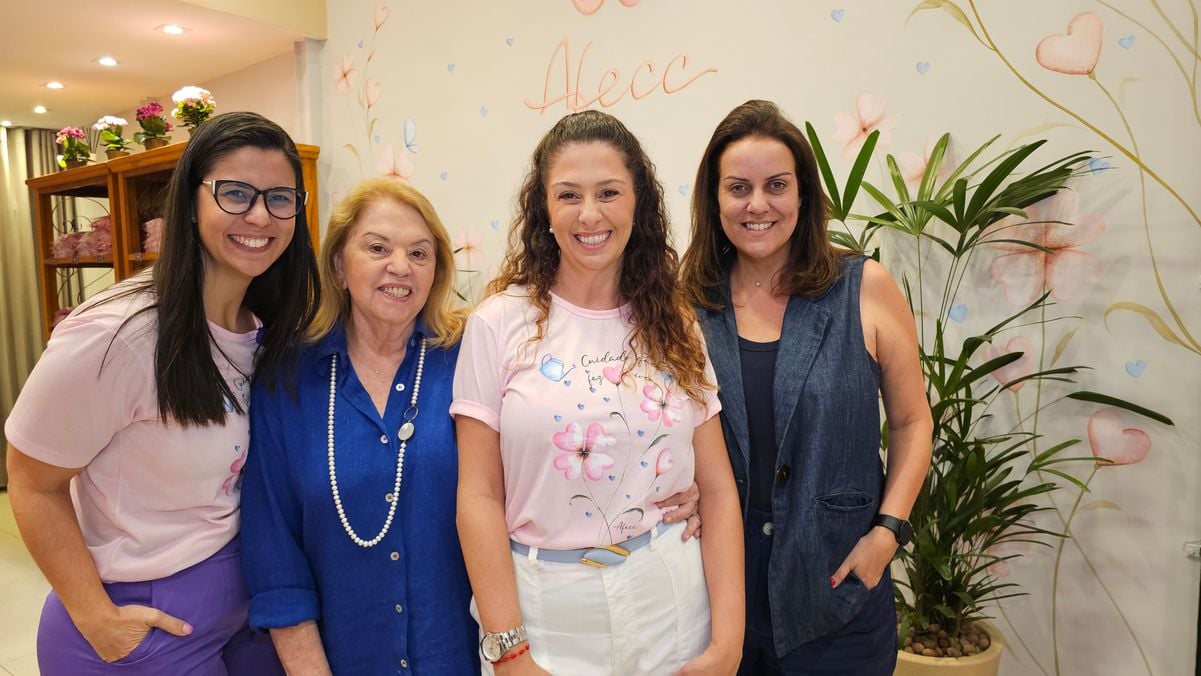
column 172, row 29
column 39, row 109
column 5, row 123
column 54, row 84
column 107, row 61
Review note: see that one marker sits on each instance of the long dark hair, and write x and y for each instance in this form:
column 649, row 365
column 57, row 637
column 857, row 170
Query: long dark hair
column 664, row 324
column 190, row 388
column 813, row 263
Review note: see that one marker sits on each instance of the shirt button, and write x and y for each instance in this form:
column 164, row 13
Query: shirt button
column 383, row 438
column 783, row 473
column 400, row 387
column 404, row 664
column 767, row 528
column 395, row 556
column 399, row 609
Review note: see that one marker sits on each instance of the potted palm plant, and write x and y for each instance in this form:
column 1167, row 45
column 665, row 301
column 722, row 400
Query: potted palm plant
column 986, row 481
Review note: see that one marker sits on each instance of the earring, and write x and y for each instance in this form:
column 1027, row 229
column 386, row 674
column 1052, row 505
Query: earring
column 550, row 229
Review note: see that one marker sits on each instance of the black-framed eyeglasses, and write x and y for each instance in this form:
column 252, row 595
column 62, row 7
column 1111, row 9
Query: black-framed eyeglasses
column 236, row 197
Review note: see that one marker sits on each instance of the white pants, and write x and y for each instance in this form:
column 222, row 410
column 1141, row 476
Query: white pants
column 648, row 615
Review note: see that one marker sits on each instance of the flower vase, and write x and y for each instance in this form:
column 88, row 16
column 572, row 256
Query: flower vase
column 156, row 142
column 192, row 130
column 114, row 154
column 75, row 164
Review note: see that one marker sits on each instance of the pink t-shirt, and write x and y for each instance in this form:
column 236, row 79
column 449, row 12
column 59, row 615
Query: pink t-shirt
column 586, row 455
column 152, row 499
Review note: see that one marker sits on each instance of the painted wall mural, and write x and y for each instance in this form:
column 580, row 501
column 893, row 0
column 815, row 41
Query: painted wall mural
column 452, row 97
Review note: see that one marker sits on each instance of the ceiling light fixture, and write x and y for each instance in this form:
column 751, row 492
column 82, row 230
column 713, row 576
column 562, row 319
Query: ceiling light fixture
column 5, row 123
column 172, row 29
column 39, row 109
column 107, row 61
column 54, row 84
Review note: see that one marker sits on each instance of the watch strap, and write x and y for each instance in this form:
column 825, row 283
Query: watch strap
column 893, row 524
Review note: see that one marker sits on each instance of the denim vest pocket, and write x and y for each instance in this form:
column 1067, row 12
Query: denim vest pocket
column 843, row 518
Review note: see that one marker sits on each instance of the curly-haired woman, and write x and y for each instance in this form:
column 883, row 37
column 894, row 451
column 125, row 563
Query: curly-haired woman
column 581, row 396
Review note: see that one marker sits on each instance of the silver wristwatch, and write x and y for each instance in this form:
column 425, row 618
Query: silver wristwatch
column 494, row 646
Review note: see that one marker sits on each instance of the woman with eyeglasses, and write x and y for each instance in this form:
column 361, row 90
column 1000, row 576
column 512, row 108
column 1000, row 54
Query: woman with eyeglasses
column 127, row 442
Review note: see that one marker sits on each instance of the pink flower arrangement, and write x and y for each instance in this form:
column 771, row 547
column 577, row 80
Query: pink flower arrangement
column 154, row 124
column 75, row 146
column 193, row 105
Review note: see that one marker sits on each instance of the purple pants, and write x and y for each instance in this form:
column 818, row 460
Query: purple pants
column 210, row 596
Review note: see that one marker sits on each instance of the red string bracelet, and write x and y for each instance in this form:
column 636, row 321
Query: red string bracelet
column 514, row 655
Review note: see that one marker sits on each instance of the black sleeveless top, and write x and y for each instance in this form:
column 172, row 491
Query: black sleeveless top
column 758, row 374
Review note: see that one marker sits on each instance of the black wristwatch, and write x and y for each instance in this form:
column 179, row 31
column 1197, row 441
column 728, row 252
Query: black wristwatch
column 899, row 527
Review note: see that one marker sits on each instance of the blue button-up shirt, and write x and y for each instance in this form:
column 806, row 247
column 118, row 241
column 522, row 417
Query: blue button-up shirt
column 401, row 606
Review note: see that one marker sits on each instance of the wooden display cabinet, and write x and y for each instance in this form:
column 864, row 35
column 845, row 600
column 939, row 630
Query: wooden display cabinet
column 136, row 189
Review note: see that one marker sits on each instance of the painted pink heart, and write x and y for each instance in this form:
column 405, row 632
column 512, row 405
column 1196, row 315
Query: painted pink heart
column 1110, row 441
column 612, row 374
column 663, row 462
column 1077, row 52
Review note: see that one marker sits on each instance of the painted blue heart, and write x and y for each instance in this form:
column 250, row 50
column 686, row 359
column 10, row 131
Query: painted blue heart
column 627, row 496
column 837, row 15
column 360, row 44
column 1126, row 42
column 683, row 188
column 1098, row 165
column 588, row 514
column 376, row 138
column 450, row 67
column 643, row 463
column 641, row 433
column 444, row 176
column 923, row 67
column 566, row 383
column 509, row 41
column 483, row 111
column 612, row 477
column 580, row 406
column 558, row 418
column 1136, row 368
column 958, row 313
column 495, row 225
column 606, row 399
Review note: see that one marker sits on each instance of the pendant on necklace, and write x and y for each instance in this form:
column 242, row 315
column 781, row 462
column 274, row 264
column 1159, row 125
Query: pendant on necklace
column 406, row 431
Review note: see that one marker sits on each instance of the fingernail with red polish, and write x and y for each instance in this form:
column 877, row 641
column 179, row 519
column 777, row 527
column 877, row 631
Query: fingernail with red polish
column 833, row 583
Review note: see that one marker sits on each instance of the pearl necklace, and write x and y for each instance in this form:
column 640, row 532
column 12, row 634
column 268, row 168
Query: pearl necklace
column 405, row 433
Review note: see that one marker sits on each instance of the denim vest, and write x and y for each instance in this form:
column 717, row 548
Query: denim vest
column 829, row 475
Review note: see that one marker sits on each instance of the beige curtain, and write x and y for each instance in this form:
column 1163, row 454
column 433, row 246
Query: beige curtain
column 23, row 153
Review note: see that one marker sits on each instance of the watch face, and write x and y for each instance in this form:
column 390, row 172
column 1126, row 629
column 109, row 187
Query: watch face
column 905, row 533
column 490, row 646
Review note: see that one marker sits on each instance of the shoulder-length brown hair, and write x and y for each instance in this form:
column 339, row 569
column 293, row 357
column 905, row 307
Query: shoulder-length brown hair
column 442, row 319
column 813, row 263
column 664, row 330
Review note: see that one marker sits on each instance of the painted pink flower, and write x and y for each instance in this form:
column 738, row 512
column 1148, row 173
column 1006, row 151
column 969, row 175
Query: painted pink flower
column 579, row 451
column 468, row 248
column 381, row 15
column 663, row 462
column 1112, row 444
column 395, row 165
column 1077, row 52
column 870, row 115
column 1024, row 366
column 1056, row 224
column 662, row 401
column 373, row 89
column 913, row 166
column 345, row 74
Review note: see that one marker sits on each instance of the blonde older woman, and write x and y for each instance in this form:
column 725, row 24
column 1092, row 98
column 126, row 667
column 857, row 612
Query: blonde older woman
column 350, row 549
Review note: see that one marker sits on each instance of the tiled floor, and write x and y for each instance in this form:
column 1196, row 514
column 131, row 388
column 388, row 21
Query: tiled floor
column 22, row 590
